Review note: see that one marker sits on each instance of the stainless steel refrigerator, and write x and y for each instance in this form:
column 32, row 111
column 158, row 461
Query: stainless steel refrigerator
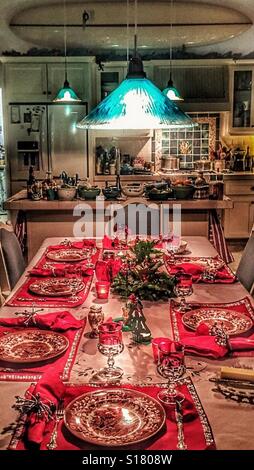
column 45, row 136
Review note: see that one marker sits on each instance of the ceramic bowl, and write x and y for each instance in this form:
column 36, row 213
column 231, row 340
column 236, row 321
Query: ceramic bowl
column 89, row 193
column 66, row 194
column 184, row 192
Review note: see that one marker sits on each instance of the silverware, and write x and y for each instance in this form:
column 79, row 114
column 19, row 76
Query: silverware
column 58, row 417
column 181, row 445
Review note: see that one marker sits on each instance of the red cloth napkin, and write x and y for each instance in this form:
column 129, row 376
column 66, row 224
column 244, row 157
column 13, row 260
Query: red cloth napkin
column 166, row 439
column 191, row 266
column 107, row 270
column 86, row 243
column 59, row 321
column 62, row 271
column 200, row 343
column 114, row 244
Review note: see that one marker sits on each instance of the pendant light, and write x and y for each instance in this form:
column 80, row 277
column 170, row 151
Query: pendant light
column 66, row 94
column 136, row 103
column 170, row 91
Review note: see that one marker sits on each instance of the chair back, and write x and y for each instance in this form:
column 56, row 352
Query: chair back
column 245, row 271
column 12, row 256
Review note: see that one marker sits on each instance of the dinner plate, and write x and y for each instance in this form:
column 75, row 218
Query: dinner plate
column 114, row 417
column 31, row 345
column 68, row 255
column 233, row 323
column 57, row 287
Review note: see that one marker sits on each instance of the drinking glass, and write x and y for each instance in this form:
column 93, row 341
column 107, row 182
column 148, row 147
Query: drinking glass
column 171, row 366
column 183, row 289
column 110, row 344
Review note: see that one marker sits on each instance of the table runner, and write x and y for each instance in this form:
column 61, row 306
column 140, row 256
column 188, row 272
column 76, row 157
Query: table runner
column 61, row 365
column 207, row 346
column 188, row 265
column 197, row 431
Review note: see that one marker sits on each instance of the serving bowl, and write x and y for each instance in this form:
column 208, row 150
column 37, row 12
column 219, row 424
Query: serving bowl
column 66, row 194
column 88, row 193
column 112, row 192
column 184, row 191
column 132, row 190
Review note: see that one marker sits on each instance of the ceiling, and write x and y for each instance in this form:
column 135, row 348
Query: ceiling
column 236, row 37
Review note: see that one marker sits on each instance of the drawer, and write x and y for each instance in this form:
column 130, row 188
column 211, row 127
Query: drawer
column 241, row 187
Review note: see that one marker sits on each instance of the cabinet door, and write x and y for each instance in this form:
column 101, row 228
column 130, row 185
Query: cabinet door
column 26, row 82
column 237, row 220
column 78, row 77
column 251, row 216
column 242, row 103
column 108, row 80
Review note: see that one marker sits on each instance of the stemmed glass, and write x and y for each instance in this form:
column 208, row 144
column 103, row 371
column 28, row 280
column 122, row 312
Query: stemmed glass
column 110, row 344
column 171, row 366
column 183, row 289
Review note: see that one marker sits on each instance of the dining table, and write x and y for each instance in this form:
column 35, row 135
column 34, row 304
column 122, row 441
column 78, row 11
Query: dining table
column 231, row 422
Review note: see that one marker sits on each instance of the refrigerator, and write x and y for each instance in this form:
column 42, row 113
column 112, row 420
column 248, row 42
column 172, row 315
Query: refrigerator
column 45, row 136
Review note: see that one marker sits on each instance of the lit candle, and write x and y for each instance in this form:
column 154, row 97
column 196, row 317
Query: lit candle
column 102, row 289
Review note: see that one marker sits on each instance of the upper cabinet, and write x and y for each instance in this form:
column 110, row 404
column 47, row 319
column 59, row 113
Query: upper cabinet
column 204, row 88
column 242, row 104
column 26, row 81
column 31, row 82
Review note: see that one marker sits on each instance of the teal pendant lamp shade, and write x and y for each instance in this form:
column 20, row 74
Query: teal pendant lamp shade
column 171, row 92
column 66, row 94
column 136, row 104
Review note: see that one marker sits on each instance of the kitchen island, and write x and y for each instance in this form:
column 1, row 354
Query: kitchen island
column 57, row 218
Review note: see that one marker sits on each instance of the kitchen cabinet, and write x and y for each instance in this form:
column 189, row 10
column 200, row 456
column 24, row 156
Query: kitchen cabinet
column 242, row 100
column 238, row 221
column 112, row 75
column 204, row 87
column 40, row 82
column 26, row 81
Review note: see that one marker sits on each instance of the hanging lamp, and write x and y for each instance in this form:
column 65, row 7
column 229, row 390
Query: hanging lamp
column 136, row 103
column 66, row 94
column 171, row 91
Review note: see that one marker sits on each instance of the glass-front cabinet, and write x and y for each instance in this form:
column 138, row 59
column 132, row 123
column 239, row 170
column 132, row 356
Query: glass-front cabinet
column 242, row 100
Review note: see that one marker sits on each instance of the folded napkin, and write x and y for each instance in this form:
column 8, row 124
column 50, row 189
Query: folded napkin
column 59, row 321
column 114, row 243
column 50, row 389
column 107, row 270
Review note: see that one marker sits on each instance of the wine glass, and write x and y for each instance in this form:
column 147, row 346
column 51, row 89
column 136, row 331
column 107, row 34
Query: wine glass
column 182, row 289
column 171, row 366
column 110, row 344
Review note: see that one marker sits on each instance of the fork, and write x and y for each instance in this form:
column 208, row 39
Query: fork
column 181, row 445
column 59, row 414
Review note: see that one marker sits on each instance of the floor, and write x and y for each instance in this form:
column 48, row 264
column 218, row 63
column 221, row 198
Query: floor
column 236, row 248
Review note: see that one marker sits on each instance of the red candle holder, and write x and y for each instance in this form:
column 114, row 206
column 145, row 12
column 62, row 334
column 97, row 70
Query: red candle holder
column 102, row 289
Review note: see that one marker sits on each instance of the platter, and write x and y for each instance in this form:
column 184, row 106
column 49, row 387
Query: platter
column 233, row 323
column 57, row 287
column 32, row 345
column 113, row 418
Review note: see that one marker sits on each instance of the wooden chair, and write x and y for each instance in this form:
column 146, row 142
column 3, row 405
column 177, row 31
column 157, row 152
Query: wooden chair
column 245, row 270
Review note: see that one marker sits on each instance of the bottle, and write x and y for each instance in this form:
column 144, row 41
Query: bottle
column 248, row 160
column 106, row 163
column 30, row 183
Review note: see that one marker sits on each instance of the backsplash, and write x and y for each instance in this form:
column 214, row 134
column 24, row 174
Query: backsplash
column 189, row 145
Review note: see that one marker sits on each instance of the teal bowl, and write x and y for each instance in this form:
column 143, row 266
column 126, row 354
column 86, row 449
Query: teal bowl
column 89, row 194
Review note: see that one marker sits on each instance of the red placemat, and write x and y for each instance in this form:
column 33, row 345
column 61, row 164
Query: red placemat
column 203, row 345
column 23, row 298
column 193, row 266
column 61, row 365
column 197, row 431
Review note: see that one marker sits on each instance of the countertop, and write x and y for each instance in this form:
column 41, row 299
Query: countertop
column 20, row 202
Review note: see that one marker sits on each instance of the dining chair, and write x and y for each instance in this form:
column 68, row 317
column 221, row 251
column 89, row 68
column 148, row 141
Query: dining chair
column 245, row 270
column 13, row 263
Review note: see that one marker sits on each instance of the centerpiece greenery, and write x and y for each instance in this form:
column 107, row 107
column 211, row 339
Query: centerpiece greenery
column 142, row 274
